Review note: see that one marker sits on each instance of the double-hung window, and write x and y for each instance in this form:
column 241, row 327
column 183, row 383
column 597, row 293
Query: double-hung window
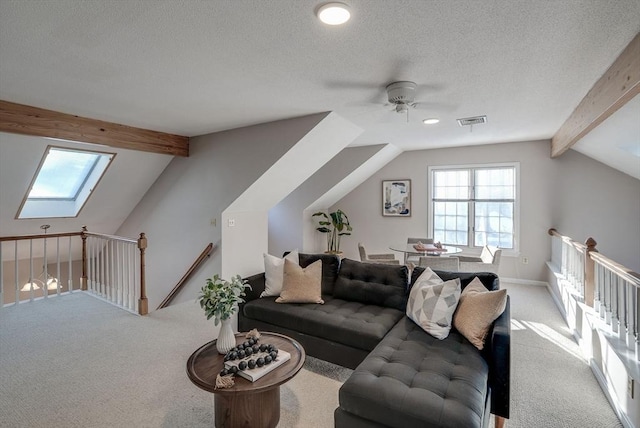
column 472, row 206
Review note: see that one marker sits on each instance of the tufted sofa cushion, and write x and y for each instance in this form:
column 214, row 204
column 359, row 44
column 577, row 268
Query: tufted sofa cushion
column 373, row 284
column 488, row 279
column 353, row 324
column 412, row 379
column 330, row 266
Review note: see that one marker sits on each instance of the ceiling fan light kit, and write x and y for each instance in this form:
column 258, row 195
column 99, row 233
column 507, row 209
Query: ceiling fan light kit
column 403, row 92
column 333, row 13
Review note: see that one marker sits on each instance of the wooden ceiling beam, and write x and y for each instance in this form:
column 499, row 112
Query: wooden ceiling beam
column 27, row 120
column 614, row 89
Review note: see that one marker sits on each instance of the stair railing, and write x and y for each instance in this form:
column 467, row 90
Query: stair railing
column 108, row 267
column 43, row 278
column 205, row 253
column 612, row 290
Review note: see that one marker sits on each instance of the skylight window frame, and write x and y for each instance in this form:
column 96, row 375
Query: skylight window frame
column 57, row 210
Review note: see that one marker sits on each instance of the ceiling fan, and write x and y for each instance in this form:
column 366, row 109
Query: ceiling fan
column 401, row 95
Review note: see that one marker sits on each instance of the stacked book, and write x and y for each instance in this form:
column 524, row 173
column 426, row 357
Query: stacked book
column 257, row 372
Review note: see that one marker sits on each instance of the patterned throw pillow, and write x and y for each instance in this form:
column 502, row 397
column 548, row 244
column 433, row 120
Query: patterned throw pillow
column 301, row 285
column 432, row 303
column 274, row 271
column 478, row 308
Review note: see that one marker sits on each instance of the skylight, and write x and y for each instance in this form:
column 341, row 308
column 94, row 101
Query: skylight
column 64, row 181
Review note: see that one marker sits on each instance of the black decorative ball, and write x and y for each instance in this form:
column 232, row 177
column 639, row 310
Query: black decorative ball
column 268, row 359
column 224, row 372
column 233, row 356
column 263, row 347
column 233, row 369
column 273, row 355
column 252, row 364
column 248, row 351
column 256, row 349
column 260, row 362
column 241, row 354
column 242, row 365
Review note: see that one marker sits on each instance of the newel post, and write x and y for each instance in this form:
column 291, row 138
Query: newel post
column 83, row 278
column 143, row 304
column 589, row 272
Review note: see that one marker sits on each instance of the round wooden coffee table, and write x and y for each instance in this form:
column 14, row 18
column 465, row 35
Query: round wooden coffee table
column 246, row 404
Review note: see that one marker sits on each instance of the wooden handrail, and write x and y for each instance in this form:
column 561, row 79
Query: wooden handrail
column 589, row 245
column 206, row 253
column 112, row 237
column 40, row 236
column 630, row 276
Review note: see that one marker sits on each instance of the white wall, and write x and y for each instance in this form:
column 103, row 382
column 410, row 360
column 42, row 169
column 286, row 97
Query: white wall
column 179, row 210
column 554, row 193
column 245, row 243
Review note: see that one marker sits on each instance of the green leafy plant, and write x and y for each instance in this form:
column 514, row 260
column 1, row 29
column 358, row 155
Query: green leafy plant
column 335, row 225
column 220, row 298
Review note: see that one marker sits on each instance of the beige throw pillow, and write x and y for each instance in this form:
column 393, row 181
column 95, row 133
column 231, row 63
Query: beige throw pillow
column 477, row 309
column 301, row 285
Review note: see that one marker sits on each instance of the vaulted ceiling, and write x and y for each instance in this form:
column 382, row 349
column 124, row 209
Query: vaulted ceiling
column 195, row 67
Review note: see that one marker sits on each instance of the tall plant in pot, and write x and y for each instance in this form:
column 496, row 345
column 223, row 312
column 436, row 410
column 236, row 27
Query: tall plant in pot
column 219, row 299
column 335, row 225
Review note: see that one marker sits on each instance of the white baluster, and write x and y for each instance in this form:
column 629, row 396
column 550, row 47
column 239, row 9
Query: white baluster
column 596, row 289
column 45, row 288
column 615, row 314
column 70, row 273
column 15, row 257
column 58, row 278
column 1, row 279
column 31, row 270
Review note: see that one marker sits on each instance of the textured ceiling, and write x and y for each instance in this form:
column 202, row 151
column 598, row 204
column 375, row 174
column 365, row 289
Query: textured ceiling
column 194, row 67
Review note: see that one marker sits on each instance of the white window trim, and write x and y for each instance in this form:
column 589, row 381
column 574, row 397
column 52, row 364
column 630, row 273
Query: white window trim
column 32, row 208
column 509, row 252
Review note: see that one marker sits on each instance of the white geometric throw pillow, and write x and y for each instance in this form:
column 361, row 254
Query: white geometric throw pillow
column 274, row 272
column 429, row 277
column 432, row 303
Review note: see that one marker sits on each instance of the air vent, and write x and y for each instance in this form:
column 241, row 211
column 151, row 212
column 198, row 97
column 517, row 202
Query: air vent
column 469, row 121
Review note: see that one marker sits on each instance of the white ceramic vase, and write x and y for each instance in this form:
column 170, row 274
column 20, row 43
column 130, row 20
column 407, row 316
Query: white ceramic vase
column 226, row 338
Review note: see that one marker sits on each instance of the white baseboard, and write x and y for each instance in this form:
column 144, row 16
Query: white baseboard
column 604, row 386
column 525, row 282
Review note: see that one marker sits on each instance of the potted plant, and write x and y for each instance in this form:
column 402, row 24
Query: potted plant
column 219, row 299
column 335, row 225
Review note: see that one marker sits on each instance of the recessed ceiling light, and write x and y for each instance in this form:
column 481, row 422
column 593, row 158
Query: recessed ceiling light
column 431, row 121
column 334, row 13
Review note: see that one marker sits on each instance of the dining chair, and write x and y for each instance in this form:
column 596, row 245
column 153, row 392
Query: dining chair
column 489, row 261
column 450, row 264
column 387, row 259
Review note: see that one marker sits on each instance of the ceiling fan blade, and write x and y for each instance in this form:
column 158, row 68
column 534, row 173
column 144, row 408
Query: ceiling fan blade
column 433, row 106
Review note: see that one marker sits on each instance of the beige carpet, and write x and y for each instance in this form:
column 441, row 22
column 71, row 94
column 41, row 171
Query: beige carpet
column 76, row 361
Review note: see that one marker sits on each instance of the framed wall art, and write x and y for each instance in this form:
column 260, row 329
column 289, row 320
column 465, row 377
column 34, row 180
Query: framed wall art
column 396, row 198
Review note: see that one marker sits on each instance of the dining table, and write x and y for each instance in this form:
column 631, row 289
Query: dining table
column 430, row 249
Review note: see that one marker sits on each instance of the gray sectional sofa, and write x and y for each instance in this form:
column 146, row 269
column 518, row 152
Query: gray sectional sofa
column 403, row 376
